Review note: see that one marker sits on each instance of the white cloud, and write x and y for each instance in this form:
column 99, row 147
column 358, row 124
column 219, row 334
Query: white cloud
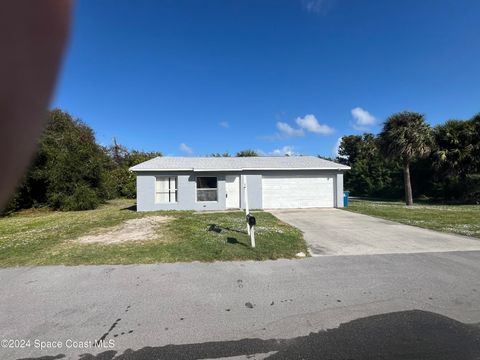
column 288, row 130
column 317, row 6
column 310, row 123
column 336, row 147
column 363, row 118
column 185, row 148
column 224, row 124
column 286, row 150
column 307, row 123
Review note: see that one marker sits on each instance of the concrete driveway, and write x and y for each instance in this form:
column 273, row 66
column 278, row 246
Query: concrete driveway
column 340, row 232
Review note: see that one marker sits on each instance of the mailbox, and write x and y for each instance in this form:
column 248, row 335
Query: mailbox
column 251, row 220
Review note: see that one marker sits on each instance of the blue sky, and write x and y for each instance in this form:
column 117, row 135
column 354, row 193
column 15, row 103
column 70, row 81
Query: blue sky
column 278, row 76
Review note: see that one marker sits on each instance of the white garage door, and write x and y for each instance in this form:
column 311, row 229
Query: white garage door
column 297, row 191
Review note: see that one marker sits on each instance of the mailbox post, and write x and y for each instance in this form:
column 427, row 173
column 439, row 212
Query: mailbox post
column 251, row 221
column 245, row 196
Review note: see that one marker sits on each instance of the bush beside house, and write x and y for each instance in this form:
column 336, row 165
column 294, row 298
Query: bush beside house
column 72, row 172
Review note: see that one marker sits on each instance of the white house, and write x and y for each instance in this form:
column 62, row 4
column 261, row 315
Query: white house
column 216, row 183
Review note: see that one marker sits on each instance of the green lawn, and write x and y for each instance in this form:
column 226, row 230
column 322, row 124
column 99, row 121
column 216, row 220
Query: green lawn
column 459, row 219
column 47, row 237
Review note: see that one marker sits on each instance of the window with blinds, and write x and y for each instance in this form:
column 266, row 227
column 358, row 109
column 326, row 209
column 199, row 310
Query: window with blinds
column 166, row 189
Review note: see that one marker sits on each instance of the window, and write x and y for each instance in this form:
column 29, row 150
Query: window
column 206, row 188
column 166, row 189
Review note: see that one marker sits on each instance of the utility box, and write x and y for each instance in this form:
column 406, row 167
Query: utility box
column 345, row 198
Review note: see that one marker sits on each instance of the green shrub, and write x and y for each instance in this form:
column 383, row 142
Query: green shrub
column 472, row 183
column 84, row 198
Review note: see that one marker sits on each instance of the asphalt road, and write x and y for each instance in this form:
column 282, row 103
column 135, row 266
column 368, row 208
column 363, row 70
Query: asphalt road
column 400, row 306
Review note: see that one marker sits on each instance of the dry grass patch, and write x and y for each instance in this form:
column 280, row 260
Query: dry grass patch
column 143, row 229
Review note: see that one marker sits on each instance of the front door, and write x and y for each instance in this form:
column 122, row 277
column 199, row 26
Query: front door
column 232, row 187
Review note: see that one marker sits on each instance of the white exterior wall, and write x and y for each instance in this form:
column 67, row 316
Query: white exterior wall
column 186, row 192
column 187, row 189
column 339, row 190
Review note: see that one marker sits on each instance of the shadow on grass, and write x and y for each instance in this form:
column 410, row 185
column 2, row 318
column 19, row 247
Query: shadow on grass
column 399, row 335
column 218, row 229
column 130, row 208
column 230, row 240
column 234, row 241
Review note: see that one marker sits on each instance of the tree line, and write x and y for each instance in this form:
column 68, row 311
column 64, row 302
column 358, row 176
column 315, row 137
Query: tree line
column 71, row 171
column 241, row 153
column 410, row 159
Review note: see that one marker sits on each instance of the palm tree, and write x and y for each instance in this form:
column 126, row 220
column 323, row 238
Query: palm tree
column 406, row 137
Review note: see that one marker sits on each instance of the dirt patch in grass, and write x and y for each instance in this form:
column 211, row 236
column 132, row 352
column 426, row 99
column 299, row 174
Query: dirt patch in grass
column 142, row 229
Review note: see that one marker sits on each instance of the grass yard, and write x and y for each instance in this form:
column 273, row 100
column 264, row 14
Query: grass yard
column 49, row 238
column 458, row 219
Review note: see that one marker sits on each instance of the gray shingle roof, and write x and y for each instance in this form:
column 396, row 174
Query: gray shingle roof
column 165, row 163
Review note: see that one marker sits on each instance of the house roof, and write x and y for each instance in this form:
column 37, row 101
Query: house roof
column 166, row 163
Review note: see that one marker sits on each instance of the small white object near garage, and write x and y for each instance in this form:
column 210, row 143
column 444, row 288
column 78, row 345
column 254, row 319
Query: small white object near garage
column 217, row 183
